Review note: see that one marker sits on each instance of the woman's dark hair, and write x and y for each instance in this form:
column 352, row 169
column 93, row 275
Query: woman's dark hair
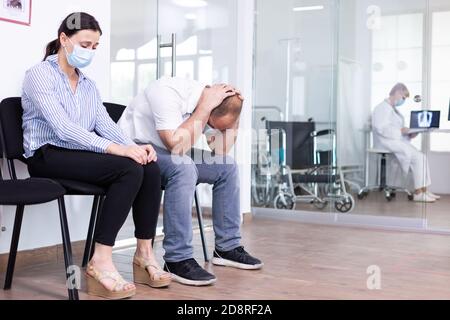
column 72, row 24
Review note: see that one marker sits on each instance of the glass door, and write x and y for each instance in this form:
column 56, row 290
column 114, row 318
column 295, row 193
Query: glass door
column 151, row 37
column 439, row 141
column 205, row 37
column 382, row 43
column 398, row 44
column 133, row 60
column 205, row 33
column 294, row 98
column 133, row 47
column 440, row 72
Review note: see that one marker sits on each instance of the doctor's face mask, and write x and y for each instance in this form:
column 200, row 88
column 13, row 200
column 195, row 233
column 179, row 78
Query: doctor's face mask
column 400, row 99
column 400, row 102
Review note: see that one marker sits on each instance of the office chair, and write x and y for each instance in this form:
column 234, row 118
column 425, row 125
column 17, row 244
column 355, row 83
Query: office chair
column 390, row 192
column 21, row 193
column 115, row 111
column 11, row 114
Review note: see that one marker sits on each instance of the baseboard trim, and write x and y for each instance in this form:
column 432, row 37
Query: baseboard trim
column 386, row 223
column 247, row 217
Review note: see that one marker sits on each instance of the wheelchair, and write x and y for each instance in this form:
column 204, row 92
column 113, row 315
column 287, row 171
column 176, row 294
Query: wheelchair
column 291, row 169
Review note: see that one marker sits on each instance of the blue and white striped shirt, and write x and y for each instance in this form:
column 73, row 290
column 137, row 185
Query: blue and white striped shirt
column 54, row 115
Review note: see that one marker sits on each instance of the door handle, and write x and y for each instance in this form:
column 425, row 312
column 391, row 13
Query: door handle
column 161, row 45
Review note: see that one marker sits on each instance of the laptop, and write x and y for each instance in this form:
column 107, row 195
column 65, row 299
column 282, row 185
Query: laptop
column 425, row 120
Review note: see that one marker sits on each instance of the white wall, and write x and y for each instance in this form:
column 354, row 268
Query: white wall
column 23, row 47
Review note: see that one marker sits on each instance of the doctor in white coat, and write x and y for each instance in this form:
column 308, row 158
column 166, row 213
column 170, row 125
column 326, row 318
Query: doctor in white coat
column 390, row 133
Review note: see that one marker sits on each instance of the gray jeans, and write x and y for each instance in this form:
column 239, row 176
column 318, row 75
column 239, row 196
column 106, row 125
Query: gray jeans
column 180, row 175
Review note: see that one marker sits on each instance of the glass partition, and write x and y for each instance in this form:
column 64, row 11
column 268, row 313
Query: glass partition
column 294, row 99
column 382, row 43
column 336, row 63
column 438, row 148
column 133, row 47
column 205, row 38
column 205, row 35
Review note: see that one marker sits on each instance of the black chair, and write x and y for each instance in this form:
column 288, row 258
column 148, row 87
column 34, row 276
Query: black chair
column 11, row 118
column 115, row 111
column 21, row 193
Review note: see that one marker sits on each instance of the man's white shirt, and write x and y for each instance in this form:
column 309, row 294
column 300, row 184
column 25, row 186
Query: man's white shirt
column 165, row 105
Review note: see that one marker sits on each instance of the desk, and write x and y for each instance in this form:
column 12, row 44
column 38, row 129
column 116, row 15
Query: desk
column 441, row 131
column 428, row 131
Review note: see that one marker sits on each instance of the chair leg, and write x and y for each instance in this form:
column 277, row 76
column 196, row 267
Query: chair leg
column 67, row 247
column 200, row 224
column 383, row 172
column 14, row 246
column 90, row 234
column 100, row 209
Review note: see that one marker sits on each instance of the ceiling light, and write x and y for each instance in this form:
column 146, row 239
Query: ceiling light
column 191, row 3
column 311, row 8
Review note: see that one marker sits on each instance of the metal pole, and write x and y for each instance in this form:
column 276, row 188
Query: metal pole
column 158, row 57
column 172, row 45
column 174, row 54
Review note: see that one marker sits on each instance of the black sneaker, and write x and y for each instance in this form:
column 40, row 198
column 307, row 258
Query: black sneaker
column 236, row 258
column 190, row 273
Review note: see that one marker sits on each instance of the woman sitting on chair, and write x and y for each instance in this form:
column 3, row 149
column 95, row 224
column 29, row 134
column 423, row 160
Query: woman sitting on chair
column 68, row 134
column 389, row 133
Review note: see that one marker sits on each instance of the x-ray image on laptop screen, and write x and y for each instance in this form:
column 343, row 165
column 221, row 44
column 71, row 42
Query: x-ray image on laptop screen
column 425, row 119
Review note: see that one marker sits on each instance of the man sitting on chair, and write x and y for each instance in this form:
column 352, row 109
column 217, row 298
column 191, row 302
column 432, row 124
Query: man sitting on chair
column 172, row 114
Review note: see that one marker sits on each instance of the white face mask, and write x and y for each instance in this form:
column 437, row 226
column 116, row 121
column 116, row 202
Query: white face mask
column 400, row 102
column 80, row 57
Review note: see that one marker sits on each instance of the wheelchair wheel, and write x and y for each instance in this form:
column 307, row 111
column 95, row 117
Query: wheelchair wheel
column 284, row 201
column 320, row 205
column 389, row 195
column 260, row 191
column 362, row 195
column 346, row 205
column 258, row 196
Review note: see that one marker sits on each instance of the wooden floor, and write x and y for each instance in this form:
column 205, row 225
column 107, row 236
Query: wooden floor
column 301, row 262
column 436, row 214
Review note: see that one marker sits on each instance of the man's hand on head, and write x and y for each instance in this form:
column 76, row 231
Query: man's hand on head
column 214, row 95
